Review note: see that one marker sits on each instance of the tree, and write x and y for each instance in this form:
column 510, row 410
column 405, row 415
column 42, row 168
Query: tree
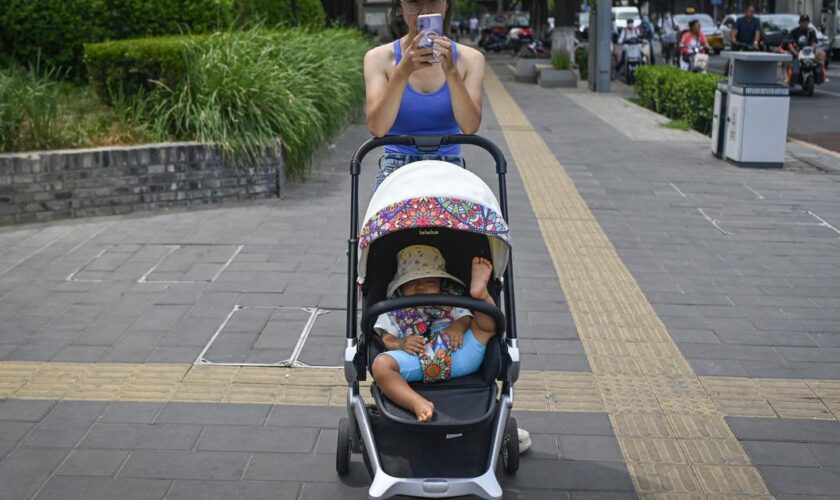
column 539, row 9
column 564, row 26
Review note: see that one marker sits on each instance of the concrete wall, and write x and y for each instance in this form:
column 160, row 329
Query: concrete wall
column 50, row 185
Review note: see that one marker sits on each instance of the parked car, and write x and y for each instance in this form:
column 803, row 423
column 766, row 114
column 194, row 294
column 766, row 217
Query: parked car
column 707, row 26
column 620, row 15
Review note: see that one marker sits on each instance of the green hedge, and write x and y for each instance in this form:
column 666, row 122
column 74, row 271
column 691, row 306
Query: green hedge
column 54, row 31
column 309, row 13
column 132, row 66
column 678, row 94
column 582, row 61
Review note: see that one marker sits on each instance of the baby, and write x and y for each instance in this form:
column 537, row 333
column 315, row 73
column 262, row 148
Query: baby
column 430, row 343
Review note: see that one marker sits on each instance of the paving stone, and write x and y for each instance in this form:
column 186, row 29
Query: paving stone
column 84, row 488
column 80, row 354
column 774, row 453
column 202, row 413
column 301, row 467
column 718, row 367
column 828, row 455
column 801, row 480
column 806, row 431
column 184, row 465
column 727, row 352
column 555, row 362
column 590, row 448
column 24, row 410
column 92, row 463
column 588, row 424
column 130, row 413
column 791, row 370
column 141, row 436
column 65, row 436
column 353, row 491
column 306, row 416
column 259, row 439
column 25, row 470
column 223, row 490
column 573, row 475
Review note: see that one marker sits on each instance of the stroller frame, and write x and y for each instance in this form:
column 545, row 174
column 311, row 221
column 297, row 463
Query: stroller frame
column 358, row 423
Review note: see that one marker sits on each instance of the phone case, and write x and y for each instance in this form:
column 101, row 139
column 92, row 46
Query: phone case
column 429, row 23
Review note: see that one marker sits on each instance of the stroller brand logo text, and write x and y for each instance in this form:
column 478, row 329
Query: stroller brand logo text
column 430, row 232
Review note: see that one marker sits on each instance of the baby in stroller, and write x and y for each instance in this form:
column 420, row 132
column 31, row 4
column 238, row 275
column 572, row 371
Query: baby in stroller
column 430, row 343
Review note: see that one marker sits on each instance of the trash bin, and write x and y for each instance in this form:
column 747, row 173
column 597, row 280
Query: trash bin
column 756, row 111
column 719, row 119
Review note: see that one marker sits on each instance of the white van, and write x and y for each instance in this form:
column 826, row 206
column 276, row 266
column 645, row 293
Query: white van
column 620, row 15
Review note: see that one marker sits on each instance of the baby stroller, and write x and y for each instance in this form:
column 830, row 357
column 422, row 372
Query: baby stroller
column 445, row 206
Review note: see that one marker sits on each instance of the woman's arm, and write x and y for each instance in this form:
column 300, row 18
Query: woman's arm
column 384, row 92
column 465, row 89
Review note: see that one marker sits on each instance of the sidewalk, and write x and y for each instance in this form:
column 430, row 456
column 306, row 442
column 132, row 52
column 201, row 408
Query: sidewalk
column 678, row 315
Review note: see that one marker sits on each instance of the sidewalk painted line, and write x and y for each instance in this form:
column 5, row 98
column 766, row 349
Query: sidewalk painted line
column 536, row 390
column 823, row 222
column 80, row 245
column 36, row 252
column 72, row 276
column 678, row 190
column 172, row 249
column 639, row 370
column 758, row 195
column 714, row 222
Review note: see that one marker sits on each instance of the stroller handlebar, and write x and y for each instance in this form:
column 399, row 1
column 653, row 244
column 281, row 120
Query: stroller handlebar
column 370, row 315
column 428, row 144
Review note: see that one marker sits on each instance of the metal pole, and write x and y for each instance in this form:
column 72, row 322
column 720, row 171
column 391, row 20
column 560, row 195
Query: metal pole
column 604, row 38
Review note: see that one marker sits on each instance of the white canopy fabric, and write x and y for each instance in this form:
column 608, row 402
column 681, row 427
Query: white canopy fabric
column 432, row 193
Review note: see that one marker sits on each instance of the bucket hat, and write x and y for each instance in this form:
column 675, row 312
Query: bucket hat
column 418, row 261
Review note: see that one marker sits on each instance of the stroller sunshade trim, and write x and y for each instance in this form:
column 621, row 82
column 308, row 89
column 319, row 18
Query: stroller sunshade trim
column 451, row 213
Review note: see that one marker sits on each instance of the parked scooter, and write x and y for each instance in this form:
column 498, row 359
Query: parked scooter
column 494, row 39
column 806, row 71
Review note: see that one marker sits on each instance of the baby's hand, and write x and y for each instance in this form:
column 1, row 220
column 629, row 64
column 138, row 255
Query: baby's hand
column 414, row 344
column 456, row 338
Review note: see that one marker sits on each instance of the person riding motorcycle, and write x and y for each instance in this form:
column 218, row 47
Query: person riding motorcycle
column 693, row 41
column 627, row 33
column 802, row 36
column 668, row 36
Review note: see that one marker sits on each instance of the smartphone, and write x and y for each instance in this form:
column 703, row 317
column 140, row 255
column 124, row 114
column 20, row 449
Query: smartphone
column 428, row 24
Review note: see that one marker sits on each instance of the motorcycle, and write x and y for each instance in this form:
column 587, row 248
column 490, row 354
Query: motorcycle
column 634, row 56
column 518, row 38
column 494, row 39
column 537, row 48
column 806, row 71
column 696, row 61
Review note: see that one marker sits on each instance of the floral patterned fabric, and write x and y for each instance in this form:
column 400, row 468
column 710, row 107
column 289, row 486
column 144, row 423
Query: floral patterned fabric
column 452, row 213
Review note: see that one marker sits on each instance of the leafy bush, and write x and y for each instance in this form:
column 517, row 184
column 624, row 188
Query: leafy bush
column 54, row 31
column 678, row 94
column 582, row 61
column 561, row 59
column 309, row 13
column 243, row 90
column 132, row 66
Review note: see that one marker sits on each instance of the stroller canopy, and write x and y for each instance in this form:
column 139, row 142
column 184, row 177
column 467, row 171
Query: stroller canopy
column 435, row 194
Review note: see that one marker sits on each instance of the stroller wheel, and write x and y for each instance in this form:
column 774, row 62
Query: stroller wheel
column 510, row 448
column 344, row 447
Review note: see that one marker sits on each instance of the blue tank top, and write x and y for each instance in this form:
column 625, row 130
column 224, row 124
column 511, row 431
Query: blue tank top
column 425, row 114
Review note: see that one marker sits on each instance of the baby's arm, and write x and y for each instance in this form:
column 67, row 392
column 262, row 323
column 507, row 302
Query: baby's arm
column 412, row 344
column 456, row 330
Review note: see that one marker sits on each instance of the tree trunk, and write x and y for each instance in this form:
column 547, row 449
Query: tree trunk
column 538, row 17
column 564, row 27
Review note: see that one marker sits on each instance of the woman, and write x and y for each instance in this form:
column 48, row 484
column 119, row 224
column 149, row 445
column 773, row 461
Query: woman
column 692, row 41
column 408, row 92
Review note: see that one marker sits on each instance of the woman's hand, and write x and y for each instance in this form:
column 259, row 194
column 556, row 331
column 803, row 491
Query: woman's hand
column 415, row 58
column 413, row 344
column 443, row 49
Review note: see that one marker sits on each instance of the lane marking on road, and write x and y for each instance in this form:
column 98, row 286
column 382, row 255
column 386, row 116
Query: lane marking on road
column 638, row 369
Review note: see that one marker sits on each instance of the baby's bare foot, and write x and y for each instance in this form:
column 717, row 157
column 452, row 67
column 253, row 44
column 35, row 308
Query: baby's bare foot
column 481, row 271
column 424, row 410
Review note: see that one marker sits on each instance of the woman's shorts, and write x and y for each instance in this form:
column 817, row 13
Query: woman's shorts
column 392, row 161
column 465, row 360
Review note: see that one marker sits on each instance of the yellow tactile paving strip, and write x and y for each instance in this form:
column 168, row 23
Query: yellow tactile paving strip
column 646, row 384
column 535, row 391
